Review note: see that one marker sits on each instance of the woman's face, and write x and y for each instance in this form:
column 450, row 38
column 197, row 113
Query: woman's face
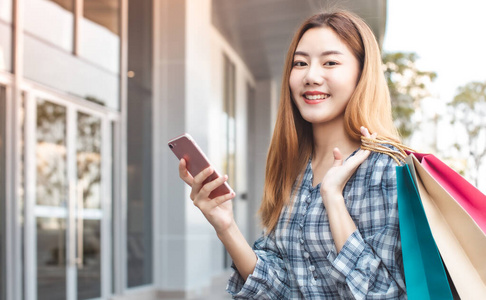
column 324, row 75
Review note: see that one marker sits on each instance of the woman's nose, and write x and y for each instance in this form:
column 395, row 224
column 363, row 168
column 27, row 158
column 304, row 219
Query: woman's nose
column 314, row 75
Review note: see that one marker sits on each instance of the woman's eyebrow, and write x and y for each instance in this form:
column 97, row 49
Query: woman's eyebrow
column 325, row 53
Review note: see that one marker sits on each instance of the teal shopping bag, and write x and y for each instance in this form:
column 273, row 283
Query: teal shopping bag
column 425, row 276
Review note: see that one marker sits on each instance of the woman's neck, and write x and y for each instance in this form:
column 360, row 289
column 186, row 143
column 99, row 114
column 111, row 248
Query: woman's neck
column 329, row 136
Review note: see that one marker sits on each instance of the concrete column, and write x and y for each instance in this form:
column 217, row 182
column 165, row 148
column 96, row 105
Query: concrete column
column 184, row 250
column 202, row 243
column 169, row 120
column 261, row 111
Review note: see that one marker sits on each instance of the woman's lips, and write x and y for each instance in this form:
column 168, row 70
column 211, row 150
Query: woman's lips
column 314, row 97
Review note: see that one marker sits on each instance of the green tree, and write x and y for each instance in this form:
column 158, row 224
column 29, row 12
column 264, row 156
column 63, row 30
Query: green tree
column 469, row 110
column 408, row 86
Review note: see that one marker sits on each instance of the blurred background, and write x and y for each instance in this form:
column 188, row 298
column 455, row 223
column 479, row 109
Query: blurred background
column 91, row 205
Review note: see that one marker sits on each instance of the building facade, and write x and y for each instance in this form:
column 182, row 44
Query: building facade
column 91, row 205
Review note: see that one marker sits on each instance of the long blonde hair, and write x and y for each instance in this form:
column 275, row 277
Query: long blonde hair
column 292, row 141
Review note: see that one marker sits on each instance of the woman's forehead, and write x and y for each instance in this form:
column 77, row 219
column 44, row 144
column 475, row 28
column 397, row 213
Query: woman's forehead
column 321, row 40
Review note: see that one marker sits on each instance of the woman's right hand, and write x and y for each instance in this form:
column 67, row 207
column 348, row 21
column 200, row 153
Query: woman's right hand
column 218, row 211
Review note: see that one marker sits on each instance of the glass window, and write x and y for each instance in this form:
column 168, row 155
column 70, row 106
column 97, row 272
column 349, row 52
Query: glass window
column 229, row 121
column 21, row 186
column 3, row 267
column 114, row 169
column 229, row 129
column 51, row 21
column 6, row 35
column 139, row 145
column 139, row 188
column 48, row 48
column 99, row 36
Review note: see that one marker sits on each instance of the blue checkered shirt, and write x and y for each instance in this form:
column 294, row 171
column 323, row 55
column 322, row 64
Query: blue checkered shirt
column 298, row 260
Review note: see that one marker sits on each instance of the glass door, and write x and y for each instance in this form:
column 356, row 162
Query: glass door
column 89, row 214
column 72, row 202
column 51, row 200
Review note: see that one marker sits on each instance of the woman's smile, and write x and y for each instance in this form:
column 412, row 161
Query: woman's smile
column 315, row 97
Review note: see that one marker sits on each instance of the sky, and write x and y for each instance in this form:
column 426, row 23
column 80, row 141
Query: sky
column 449, row 38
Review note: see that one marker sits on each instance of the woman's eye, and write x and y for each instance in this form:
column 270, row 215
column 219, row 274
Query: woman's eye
column 300, row 64
column 331, row 63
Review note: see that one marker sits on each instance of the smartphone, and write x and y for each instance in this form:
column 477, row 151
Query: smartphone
column 184, row 146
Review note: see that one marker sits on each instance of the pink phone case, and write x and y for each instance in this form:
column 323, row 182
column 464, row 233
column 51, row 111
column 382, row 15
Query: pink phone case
column 185, row 147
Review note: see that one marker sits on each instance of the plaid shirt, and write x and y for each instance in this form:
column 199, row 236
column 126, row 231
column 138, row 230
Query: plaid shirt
column 298, row 260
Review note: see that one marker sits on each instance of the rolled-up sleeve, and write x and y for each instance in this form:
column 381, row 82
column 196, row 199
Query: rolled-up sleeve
column 269, row 279
column 370, row 266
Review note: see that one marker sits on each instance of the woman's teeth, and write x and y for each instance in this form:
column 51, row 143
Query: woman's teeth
column 316, row 97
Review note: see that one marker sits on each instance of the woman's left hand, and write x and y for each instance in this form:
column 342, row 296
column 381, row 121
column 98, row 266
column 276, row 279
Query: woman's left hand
column 338, row 175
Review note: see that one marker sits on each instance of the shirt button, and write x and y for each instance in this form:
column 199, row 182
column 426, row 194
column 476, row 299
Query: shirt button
column 301, row 241
column 306, row 254
column 312, row 268
column 301, row 225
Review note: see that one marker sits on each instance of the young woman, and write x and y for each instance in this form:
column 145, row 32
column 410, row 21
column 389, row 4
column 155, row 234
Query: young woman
column 329, row 208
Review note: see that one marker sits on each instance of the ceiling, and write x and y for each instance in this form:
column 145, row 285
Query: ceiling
column 261, row 30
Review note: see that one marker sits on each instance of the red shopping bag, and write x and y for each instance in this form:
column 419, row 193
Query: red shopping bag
column 466, row 195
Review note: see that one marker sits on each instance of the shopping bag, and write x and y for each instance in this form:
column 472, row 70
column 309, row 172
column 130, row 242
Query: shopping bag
column 462, row 244
column 468, row 196
column 425, row 276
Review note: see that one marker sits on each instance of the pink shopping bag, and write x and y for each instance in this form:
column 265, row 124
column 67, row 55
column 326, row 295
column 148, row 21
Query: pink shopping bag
column 466, row 195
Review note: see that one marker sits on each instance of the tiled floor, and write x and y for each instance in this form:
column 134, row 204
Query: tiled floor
column 217, row 290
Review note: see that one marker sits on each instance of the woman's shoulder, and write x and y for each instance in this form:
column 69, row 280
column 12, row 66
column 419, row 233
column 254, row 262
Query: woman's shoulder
column 383, row 163
column 375, row 175
column 378, row 171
